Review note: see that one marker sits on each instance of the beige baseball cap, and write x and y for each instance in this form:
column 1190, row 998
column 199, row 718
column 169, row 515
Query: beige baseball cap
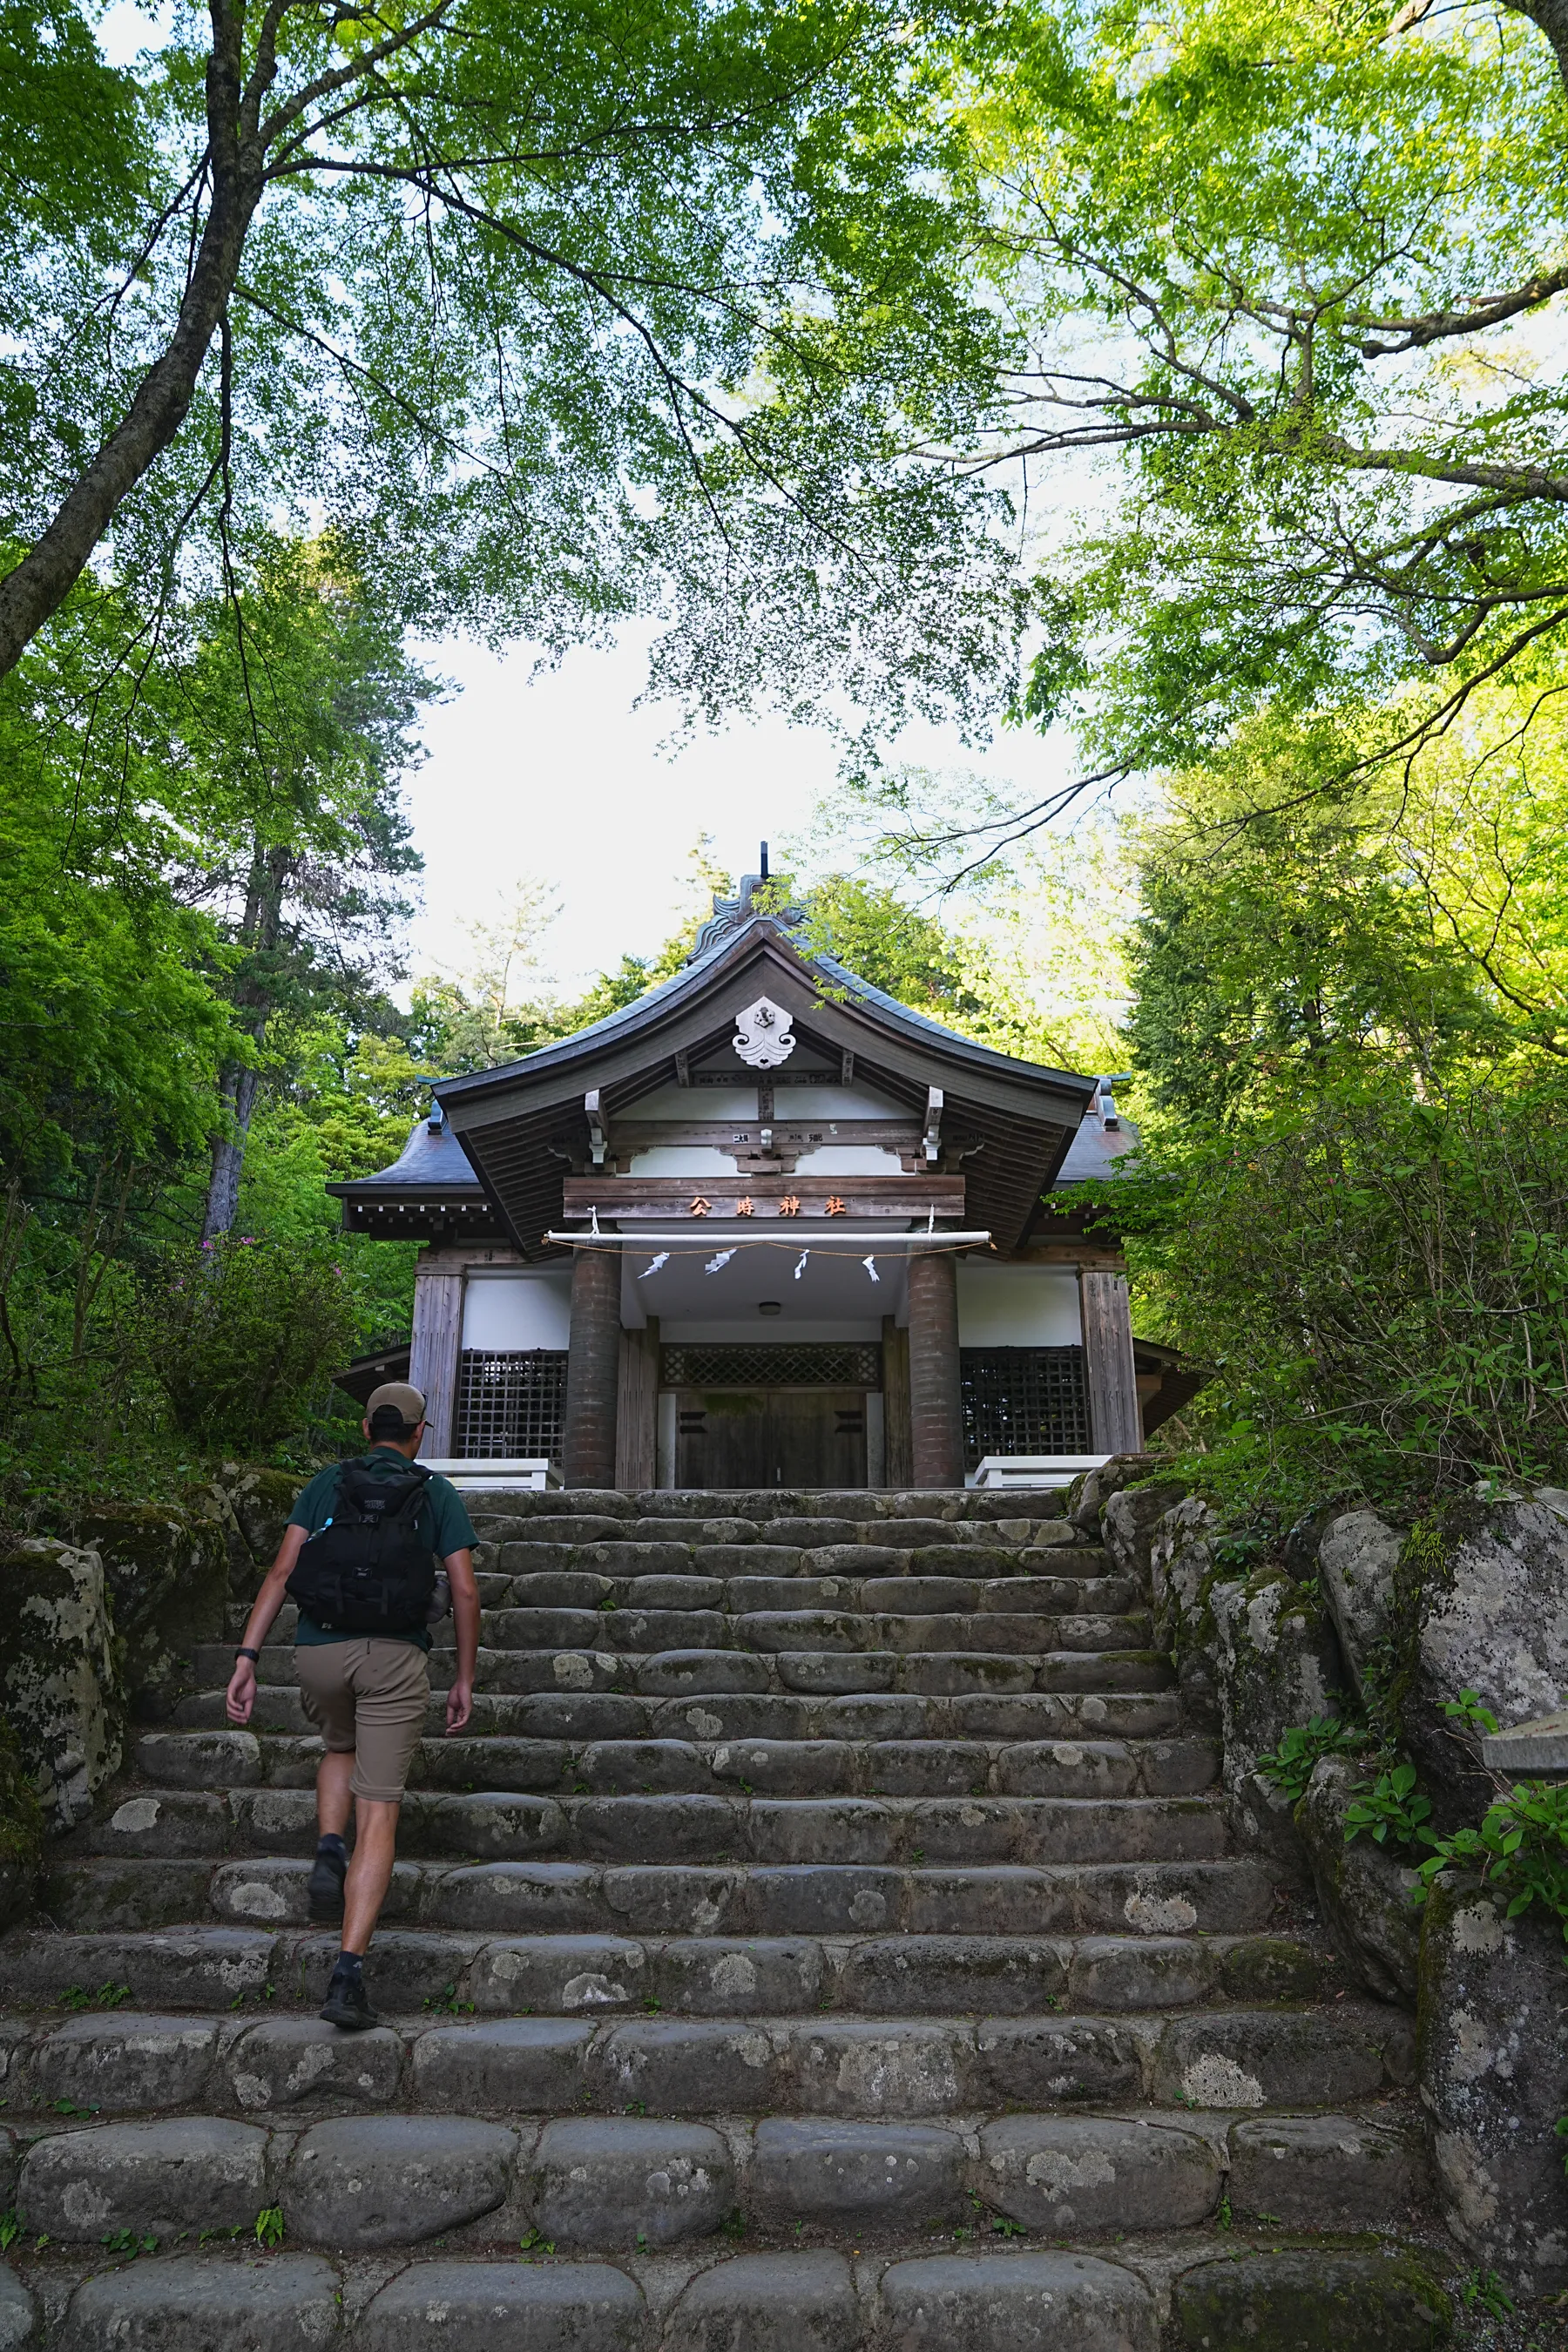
column 409, row 1402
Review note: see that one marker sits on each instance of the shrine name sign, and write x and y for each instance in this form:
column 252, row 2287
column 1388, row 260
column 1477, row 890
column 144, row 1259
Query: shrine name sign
column 768, row 1199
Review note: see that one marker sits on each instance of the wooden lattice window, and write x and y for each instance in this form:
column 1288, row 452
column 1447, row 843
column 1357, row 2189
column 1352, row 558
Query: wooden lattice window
column 511, row 1406
column 775, row 1366
column 1023, row 1400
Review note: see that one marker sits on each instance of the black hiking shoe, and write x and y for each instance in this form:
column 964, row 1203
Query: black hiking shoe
column 346, row 2004
column 324, row 1887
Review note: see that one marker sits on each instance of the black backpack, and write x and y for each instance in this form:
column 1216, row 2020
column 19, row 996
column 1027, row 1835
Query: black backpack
column 368, row 1571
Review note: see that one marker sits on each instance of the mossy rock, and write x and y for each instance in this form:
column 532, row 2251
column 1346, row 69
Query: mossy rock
column 167, row 1575
column 21, row 1829
column 1312, row 2300
column 60, row 1673
column 251, row 1506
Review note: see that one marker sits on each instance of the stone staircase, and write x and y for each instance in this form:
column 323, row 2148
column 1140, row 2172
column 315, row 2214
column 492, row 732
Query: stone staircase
column 827, row 1934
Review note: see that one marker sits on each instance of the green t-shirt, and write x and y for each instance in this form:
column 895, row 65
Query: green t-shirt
column 441, row 1521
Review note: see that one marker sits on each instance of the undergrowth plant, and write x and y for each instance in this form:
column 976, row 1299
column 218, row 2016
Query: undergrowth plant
column 1290, row 1766
column 1521, row 1849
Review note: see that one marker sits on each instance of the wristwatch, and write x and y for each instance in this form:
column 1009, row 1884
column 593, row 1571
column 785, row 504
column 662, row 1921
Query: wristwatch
column 254, row 1655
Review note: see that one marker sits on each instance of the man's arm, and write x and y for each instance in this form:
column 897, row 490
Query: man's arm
column 459, row 1567
column 259, row 1624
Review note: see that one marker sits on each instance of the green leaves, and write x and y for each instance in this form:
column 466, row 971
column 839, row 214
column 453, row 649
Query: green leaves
column 1390, row 1807
column 1290, row 1766
column 1520, row 1848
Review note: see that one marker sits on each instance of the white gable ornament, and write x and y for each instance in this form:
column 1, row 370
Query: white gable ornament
column 764, row 1037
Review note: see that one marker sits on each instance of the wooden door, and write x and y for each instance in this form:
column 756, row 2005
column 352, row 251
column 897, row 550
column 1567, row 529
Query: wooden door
column 806, row 1438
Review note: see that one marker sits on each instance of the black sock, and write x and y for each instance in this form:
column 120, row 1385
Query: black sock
column 333, row 1844
column 349, row 1964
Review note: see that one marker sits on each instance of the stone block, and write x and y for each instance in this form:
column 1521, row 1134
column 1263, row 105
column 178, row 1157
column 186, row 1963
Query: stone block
column 1357, row 1556
column 1004, row 1899
column 658, row 1829
column 511, row 2065
column 1089, row 2174
column 674, row 1900
column 818, row 2169
column 168, row 1825
column 1494, row 2056
column 1217, row 1898
column 801, row 1830
column 1051, row 2061
column 1324, row 2172
column 927, row 1767
column 97, row 1895
column 282, row 2302
column 1280, row 2058
column 1020, row 2302
column 625, row 2181
column 825, row 1899
column 1126, row 1972
column 493, row 1762
column 643, row 1768
column 281, row 2060
column 1316, row 2301
column 186, row 1968
column 188, row 2172
column 576, row 1975
column 389, row 2180
column 821, row 1672
column 505, row 2307
column 785, row 1768
column 765, row 1977
column 406, row 1970
column 1067, row 1768
column 682, row 1674
column 520, row 1898
column 691, row 2066
column 768, row 2302
column 201, row 1760
column 936, row 1975
column 499, row 1829
column 863, row 2067
column 18, row 2313
column 125, row 2060
column 59, row 1673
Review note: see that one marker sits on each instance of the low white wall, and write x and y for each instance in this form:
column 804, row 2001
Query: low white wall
column 505, row 1312
column 1018, row 1306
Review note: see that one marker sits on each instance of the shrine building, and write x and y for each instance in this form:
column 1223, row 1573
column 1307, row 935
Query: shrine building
column 765, row 1227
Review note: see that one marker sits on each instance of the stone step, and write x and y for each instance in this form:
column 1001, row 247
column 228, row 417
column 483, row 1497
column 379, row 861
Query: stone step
column 947, row 1505
column 617, row 2184
column 798, row 2297
column 191, row 1834
column 667, row 1622
column 759, row 1976
column 577, row 1718
column 791, row 1767
column 500, row 1824
column 994, row 2298
column 698, row 1672
column 623, row 1565
column 1236, row 2058
column 803, row 1522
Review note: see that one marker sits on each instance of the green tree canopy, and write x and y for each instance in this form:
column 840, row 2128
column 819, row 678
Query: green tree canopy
column 547, row 316
column 1284, row 282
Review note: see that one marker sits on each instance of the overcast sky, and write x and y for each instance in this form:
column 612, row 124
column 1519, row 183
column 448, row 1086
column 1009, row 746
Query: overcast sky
column 561, row 778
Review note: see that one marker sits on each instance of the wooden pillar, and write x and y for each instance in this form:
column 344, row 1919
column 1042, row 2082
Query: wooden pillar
column 636, row 1411
column 432, row 1355
column 896, row 1403
column 1116, row 1426
column 593, row 1370
column 936, row 1420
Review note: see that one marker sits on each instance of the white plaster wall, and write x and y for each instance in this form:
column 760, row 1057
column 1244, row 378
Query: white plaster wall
column 792, row 1104
column 507, row 1311
column 1018, row 1306
column 695, row 1102
column 848, row 1160
column 684, row 1159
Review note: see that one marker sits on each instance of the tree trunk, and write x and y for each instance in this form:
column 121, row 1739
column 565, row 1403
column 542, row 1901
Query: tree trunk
column 1551, row 17
column 40, row 584
column 240, row 1083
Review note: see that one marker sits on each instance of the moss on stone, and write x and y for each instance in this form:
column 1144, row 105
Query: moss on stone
column 1312, row 2300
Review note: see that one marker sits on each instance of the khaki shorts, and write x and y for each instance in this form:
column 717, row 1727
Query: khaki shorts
column 369, row 1699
